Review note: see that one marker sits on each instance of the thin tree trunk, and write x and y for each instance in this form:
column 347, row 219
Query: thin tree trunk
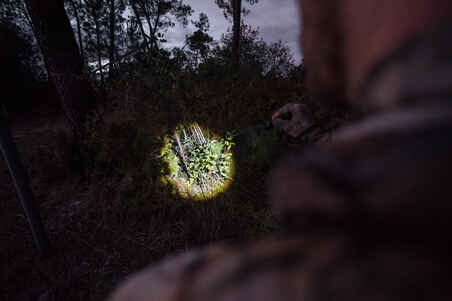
column 99, row 50
column 151, row 30
column 98, row 45
column 22, row 184
column 56, row 39
column 237, row 12
column 140, row 25
column 79, row 31
column 99, row 56
column 156, row 23
column 112, row 38
column 148, row 20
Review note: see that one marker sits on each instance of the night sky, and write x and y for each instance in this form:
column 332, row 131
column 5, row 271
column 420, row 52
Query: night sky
column 276, row 20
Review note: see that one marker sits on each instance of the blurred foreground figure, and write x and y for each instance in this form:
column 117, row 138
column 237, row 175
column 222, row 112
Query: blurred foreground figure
column 367, row 212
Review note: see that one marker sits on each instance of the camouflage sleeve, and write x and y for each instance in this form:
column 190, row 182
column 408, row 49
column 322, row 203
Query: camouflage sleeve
column 163, row 282
column 267, row 270
column 314, row 269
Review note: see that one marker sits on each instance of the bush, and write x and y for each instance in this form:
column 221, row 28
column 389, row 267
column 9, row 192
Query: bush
column 200, row 162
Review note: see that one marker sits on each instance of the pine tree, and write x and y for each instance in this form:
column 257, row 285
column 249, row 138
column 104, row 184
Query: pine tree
column 153, row 17
column 200, row 41
column 75, row 9
column 59, row 48
column 233, row 11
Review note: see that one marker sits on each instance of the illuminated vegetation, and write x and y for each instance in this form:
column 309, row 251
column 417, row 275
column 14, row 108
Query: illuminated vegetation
column 201, row 164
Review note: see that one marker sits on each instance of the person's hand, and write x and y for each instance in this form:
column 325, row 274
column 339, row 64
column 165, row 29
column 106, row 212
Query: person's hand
column 292, row 119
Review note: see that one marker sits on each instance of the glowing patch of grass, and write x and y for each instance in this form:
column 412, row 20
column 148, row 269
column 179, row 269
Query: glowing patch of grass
column 200, row 162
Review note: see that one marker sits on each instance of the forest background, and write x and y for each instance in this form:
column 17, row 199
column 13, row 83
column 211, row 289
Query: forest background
column 90, row 91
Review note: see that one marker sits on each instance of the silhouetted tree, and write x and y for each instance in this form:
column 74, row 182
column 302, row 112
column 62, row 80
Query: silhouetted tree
column 76, row 10
column 232, row 9
column 23, row 188
column 97, row 33
column 56, row 40
column 259, row 57
column 200, row 41
column 158, row 15
column 112, row 46
column 137, row 21
column 237, row 9
column 22, row 88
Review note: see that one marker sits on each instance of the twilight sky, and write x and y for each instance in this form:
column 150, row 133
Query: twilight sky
column 276, row 20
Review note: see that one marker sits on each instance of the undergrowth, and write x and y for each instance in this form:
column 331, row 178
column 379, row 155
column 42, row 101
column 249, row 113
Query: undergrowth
column 130, row 146
column 200, row 162
column 124, row 216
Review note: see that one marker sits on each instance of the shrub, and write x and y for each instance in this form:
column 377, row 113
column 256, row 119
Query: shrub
column 200, row 162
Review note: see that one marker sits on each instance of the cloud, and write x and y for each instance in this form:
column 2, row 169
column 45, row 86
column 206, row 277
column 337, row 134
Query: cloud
column 276, row 20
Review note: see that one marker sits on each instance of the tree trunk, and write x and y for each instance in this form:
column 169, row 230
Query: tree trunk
column 56, row 39
column 79, row 31
column 148, row 19
column 140, row 25
column 112, row 39
column 22, row 184
column 151, row 30
column 99, row 49
column 237, row 13
column 156, row 24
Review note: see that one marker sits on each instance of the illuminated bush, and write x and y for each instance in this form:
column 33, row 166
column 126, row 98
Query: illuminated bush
column 200, row 162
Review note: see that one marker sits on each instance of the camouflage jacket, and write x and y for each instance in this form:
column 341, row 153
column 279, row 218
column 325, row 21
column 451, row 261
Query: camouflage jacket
column 366, row 212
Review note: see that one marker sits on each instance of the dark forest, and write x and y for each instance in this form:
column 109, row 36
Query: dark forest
column 147, row 155
column 93, row 101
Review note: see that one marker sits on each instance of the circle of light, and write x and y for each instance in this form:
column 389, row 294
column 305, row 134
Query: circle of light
column 181, row 186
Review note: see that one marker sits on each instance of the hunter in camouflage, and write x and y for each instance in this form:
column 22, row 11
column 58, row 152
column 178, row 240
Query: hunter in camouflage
column 366, row 213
